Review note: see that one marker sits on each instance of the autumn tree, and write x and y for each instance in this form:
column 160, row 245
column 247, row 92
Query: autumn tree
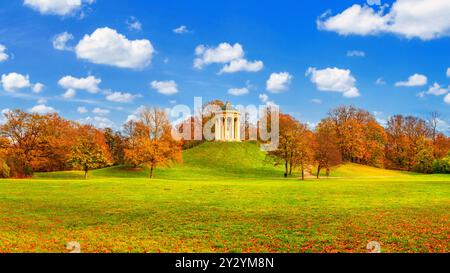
column 303, row 150
column 295, row 146
column 150, row 141
column 91, row 151
column 360, row 137
column 441, row 146
column 116, row 144
column 424, row 157
column 24, row 132
column 327, row 152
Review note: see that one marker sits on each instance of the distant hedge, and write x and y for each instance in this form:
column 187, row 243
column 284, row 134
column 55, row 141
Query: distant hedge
column 442, row 165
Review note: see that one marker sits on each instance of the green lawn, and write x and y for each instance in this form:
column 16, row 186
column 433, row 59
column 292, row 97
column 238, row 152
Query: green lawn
column 224, row 199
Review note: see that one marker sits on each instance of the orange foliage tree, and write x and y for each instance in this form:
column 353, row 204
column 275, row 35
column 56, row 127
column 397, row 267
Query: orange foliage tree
column 90, row 151
column 150, row 141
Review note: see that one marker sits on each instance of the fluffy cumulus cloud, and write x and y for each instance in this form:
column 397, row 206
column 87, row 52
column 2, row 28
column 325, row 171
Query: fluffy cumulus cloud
column 447, row 99
column 413, row 81
column 70, row 94
column 89, row 84
column 38, row 87
column 238, row 91
column 42, row 109
column 14, row 81
column 133, row 24
column 120, row 97
column 233, row 56
column 437, row 90
column 57, row 7
column 334, row 80
column 181, row 30
column 165, row 87
column 60, row 41
column 279, row 82
column 106, row 46
column 423, row 19
column 3, row 55
column 242, row 65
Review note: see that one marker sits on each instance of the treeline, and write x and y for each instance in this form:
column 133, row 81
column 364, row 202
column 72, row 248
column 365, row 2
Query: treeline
column 350, row 134
column 44, row 143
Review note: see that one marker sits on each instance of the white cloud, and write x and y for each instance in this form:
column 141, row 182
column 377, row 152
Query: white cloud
column 263, row 98
column 106, row 46
column 423, row 19
column 60, row 41
column 448, row 72
column 279, row 82
column 447, row 99
column 121, row 97
column 42, row 101
column 15, row 81
column 165, row 87
column 437, row 90
column 134, row 24
column 70, row 93
column 99, row 122
column 38, row 87
column 242, row 65
column 380, row 81
column 317, row 101
column 238, row 91
column 89, row 84
column 101, row 112
column 223, row 53
column 230, row 55
column 42, row 109
column 356, row 53
column 413, row 81
column 181, row 30
column 3, row 55
column 57, row 7
column 82, row 110
column 334, row 80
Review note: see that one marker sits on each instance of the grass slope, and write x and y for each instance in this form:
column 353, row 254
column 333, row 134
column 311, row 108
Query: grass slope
column 227, row 201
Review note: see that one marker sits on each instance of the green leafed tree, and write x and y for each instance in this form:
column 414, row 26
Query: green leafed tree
column 90, row 152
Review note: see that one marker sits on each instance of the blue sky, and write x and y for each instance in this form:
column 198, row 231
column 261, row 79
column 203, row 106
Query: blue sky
column 281, row 37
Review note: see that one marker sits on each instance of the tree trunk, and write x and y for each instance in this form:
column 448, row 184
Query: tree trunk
column 151, row 171
column 319, row 168
column 303, row 173
column 290, row 168
column 286, row 169
column 86, row 174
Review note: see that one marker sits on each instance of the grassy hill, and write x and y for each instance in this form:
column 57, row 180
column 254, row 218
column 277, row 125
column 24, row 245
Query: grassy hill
column 211, row 160
column 219, row 160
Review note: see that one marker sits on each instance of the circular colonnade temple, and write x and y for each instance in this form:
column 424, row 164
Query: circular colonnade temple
column 228, row 124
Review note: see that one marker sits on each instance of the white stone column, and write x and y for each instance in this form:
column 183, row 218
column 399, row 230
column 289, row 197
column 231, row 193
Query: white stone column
column 216, row 128
column 239, row 129
column 226, row 128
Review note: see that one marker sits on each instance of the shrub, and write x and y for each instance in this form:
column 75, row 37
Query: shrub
column 442, row 165
column 4, row 169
